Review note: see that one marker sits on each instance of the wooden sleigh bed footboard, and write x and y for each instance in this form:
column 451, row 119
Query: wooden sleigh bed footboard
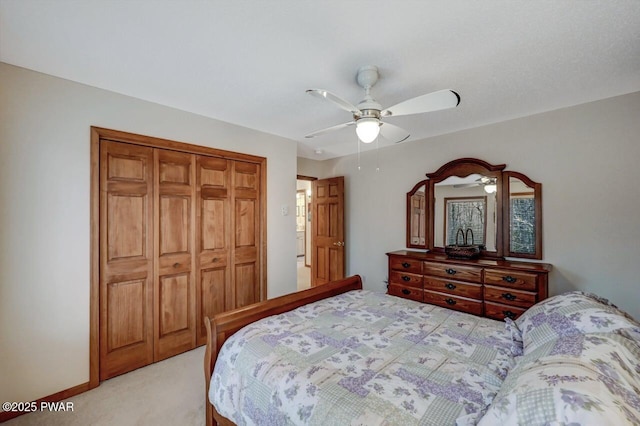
column 220, row 327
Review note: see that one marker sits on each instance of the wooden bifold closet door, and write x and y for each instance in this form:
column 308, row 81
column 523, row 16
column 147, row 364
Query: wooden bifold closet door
column 126, row 258
column 180, row 239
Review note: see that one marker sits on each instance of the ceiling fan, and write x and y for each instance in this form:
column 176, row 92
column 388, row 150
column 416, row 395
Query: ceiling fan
column 368, row 114
column 489, row 184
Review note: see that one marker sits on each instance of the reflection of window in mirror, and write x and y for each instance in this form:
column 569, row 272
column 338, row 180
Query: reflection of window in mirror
column 473, row 186
column 463, row 214
column 523, row 217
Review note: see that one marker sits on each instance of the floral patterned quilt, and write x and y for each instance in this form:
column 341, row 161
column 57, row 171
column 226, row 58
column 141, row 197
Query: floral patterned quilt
column 362, row 358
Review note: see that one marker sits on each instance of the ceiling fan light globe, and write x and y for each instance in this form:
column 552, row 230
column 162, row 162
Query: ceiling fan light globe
column 367, row 129
column 490, row 189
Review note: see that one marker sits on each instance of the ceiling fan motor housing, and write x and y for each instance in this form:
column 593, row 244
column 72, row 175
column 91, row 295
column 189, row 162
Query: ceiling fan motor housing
column 367, row 76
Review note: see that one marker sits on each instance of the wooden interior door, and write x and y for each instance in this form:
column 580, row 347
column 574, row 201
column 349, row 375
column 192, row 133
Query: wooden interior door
column 213, row 177
column 126, row 261
column 246, row 234
column 174, row 277
column 327, row 230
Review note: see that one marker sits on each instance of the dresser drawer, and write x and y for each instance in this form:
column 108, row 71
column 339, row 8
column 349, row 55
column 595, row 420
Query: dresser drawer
column 405, row 279
column 457, row 288
column 453, row 302
column 500, row 312
column 505, row 278
column 457, row 272
column 509, row 296
column 406, row 292
column 400, row 263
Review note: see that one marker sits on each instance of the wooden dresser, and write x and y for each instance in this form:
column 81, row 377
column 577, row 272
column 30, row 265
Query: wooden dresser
column 492, row 288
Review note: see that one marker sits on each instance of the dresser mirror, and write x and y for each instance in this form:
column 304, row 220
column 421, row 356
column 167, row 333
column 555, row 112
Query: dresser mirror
column 416, row 216
column 523, row 204
column 470, row 201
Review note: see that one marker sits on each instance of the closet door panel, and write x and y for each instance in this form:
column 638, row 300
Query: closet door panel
column 125, row 310
column 175, row 221
column 246, row 225
column 126, row 263
column 213, row 284
column 213, row 239
column 245, row 214
column 126, row 218
column 174, row 296
column 246, row 284
column 174, row 290
column 214, row 216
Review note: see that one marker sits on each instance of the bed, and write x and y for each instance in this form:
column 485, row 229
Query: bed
column 337, row 354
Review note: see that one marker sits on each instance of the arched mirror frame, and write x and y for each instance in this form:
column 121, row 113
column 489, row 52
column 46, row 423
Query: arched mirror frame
column 537, row 196
column 464, row 167
column 411, row 238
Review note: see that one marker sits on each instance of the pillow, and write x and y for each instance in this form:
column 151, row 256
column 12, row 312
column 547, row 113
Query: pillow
column 595, row 385
column 568, row 315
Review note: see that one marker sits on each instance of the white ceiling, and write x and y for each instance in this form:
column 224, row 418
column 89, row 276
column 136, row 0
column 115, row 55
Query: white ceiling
column 249, row 62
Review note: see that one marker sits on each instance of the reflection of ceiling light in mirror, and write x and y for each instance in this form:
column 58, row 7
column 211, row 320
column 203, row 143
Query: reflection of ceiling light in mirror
column 490, row 189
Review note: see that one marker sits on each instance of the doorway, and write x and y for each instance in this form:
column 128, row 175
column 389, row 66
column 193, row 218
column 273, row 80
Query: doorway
column 303, row 231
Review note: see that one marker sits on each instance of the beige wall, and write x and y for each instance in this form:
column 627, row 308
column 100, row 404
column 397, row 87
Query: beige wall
column 44, row 216
column 310, row 168
column 587, row 159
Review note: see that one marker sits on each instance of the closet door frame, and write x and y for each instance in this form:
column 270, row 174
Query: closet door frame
column 98, row 134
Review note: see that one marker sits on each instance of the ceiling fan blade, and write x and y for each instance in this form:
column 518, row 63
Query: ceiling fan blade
column 330, row 129
column 344, row 104
column 393, row 133
column 466, row 185
column 435, row 101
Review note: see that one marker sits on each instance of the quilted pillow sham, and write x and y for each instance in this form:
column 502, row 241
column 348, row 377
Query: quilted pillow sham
column 568, row 316
column 562, row 382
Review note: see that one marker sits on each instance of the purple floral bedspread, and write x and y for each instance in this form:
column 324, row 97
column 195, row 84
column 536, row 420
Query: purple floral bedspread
column 362, row 358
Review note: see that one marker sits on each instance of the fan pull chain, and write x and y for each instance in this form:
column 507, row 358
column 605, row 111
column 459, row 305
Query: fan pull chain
column 358, row 143
column 377, row 153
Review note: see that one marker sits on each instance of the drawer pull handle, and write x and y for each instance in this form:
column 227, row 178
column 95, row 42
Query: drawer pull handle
column 508, row 296
column 175, row 265
column 214, row 260
column 450, row 271
column 406, row 278
column 450, row 286
column 450, row 301
column 405, row 264
column 405, row 291
column 509, row 314
column 509, row 279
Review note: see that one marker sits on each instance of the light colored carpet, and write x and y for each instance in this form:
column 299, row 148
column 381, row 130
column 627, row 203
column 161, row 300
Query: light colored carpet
column 170, row 392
